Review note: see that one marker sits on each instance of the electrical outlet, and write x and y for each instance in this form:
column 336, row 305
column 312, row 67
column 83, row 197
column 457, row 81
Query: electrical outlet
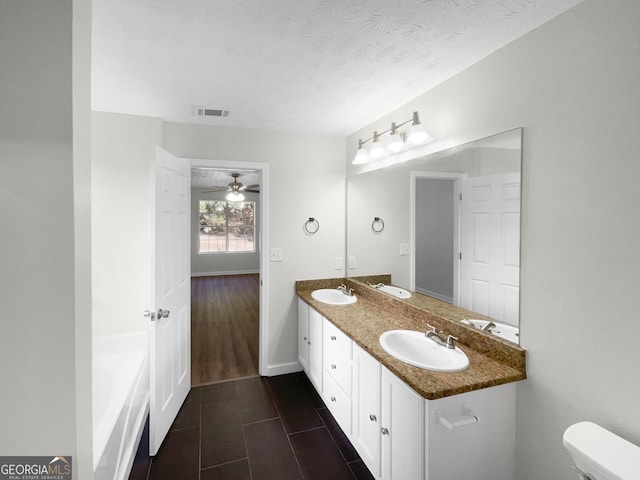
column 339, row 263
column 276, row 255
column 352, row 261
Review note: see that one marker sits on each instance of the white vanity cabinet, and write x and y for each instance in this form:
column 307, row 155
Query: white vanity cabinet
column 337, row 374
column 458, row 446
column 303, row 335
column 388, row 421
column 398, row 434
column 310, row 343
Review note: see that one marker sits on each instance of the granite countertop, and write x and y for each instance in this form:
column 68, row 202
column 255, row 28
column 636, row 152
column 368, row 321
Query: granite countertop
column 491, row 363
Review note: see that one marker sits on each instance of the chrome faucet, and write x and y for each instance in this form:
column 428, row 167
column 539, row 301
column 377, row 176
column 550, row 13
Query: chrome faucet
column 438, row 337
column 346, row 290
column 377, row 285
column 488, row 327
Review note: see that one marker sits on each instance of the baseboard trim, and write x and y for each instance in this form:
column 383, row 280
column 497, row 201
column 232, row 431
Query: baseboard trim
column 230, row 272
column 282, row 369
column 435, row 295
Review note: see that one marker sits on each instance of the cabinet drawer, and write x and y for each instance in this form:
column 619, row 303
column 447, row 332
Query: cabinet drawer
column 338, row 340
column 337, row 403
column 338, row 367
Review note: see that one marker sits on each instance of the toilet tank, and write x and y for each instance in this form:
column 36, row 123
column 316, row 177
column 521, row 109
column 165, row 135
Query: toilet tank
column 601, row 454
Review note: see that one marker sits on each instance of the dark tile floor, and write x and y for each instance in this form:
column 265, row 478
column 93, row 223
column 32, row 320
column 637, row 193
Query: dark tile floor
column 269, row 428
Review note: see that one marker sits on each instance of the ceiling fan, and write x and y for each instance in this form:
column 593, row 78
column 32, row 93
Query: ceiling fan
column 235, row 188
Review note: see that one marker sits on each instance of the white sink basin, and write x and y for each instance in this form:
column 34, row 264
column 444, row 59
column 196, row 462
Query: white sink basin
column 416, row 349
column 395, row 291
column 333, row 296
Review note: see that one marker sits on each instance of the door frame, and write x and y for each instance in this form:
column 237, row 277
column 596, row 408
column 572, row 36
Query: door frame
column 457, row 179
column 263, row 235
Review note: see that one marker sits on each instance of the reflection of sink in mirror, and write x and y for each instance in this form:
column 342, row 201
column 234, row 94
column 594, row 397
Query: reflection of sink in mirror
column 333, row 296
column 395, row 291
column 416, row 349
column 502, row 330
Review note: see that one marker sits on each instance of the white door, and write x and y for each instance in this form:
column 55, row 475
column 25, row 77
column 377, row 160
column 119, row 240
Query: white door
column 170, row 332
column 490, row 244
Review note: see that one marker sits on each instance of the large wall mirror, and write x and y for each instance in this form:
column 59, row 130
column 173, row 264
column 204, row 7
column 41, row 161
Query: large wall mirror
column 447, row 228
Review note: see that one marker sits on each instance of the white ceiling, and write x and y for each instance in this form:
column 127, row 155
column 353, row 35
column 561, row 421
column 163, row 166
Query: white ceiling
column 319, row 66
column 221, row 177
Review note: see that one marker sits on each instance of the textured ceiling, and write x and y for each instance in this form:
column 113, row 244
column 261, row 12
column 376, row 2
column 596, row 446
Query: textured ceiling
column 320, row 66
column 221, row 177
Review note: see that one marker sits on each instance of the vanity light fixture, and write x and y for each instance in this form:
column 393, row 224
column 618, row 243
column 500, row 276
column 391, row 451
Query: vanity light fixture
column 394, row 142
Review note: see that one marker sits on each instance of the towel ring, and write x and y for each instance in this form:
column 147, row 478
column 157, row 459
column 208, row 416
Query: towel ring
column 377, row 225
column 311, row 226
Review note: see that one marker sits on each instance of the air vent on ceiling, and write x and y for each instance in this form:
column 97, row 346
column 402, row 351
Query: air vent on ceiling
column 210, row 112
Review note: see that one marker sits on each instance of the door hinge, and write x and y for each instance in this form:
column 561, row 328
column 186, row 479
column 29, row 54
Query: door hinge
column 460, row 255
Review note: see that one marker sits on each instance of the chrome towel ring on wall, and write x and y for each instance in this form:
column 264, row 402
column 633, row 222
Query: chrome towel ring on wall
column 311, row 226
column 377, row 225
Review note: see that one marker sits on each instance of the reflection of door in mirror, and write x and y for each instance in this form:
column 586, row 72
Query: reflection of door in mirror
column 467, row 237
column 435, row 239
column 490, row 232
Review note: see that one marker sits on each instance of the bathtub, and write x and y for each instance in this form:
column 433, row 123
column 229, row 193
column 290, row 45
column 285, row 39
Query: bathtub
column 120, row 402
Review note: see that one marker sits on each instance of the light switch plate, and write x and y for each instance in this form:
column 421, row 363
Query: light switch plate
column 339, row 263
column 276, row 255
column 352, row 261
column 404, row 249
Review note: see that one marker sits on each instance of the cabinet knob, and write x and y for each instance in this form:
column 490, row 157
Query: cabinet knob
column 373, row 418
column 308, row 343
column 305, row 338
column 384, row 430
column 333, row 399
column 333, row 367
column 333, row 337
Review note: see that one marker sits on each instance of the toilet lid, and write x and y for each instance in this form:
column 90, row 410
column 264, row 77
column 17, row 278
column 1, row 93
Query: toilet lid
column 603, row 450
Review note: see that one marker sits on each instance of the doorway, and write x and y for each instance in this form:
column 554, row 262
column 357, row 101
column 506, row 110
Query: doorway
column 435, row 234
column 229, row 292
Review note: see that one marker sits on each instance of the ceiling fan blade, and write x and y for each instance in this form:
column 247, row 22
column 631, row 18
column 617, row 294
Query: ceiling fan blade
column 252, row 190
column 217, row 189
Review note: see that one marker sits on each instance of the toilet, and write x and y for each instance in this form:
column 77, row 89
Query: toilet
column 599, row 454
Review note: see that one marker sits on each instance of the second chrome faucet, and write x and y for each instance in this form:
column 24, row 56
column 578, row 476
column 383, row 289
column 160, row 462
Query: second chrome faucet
column 440, row 339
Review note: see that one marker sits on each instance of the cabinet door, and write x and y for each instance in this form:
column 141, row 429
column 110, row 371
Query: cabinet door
column 315, row 349
column 303, row 335
column 366, row 409
column 402, row 429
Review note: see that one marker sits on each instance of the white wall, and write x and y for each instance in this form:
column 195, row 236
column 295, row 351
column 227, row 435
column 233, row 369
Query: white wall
column 44, row 280
column 222, row 263
column 122, row 149
column 573, row 85
column 306, row 179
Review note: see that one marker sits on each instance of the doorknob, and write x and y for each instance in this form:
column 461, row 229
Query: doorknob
column 156, row 315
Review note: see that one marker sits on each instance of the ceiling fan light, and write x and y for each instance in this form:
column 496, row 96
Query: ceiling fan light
column 235, row 197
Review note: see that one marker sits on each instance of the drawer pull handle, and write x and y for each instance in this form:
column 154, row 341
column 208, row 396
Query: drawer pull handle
column 333, row 367
column 373, row 418
column 384, row 430
column 333, row 337
column 333, row 399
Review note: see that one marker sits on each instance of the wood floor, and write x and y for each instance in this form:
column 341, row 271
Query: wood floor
column 224, row 328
